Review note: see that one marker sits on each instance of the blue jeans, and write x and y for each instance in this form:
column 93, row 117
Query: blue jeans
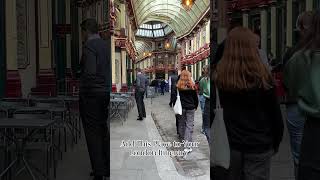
column 202, row 101
column 295, row 123
column 206, row 119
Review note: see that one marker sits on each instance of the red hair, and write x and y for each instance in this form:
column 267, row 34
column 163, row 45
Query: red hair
column 241, row 66
column 185, row 81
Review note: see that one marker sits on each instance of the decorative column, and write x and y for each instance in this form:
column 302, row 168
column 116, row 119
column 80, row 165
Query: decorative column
column 200, row 68
column 46, row 78
column 245, row 19
column 68, row 36
column 289, row 28
column 124, row 86
column 13, row 83
column 264, row 29
column 60, row 45
column 75, row 36
column 274, row 31
column 207, row 26
column 3, row 68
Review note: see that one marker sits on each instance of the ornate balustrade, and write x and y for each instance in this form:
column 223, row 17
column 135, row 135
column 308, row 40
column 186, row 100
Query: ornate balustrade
column 199, row 55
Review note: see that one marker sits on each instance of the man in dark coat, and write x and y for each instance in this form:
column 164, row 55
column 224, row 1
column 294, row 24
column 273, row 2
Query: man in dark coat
column 141, row 86
column 94, row 102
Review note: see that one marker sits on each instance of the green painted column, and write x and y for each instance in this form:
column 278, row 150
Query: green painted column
column 75, row 37
column 59, row 14
column 3, row 69
column 316, row 4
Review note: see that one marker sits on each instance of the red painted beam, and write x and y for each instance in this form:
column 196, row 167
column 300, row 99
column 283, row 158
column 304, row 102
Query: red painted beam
column 13, row 84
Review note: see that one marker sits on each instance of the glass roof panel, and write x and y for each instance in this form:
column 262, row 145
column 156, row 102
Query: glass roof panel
column 154, row 29
column 170, row 12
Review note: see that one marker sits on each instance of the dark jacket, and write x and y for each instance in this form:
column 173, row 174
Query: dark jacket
column 189, row 98
column 95, row 67
column 302, row 77
column 141, row 82
column 174, row 80
column 162, row 84
column 253, row 120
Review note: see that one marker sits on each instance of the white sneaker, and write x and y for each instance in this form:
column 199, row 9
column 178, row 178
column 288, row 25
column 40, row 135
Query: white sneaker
column 187, row 150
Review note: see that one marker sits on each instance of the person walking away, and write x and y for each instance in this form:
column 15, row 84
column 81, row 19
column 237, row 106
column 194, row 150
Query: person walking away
column 162, row 86
column 141, row 84
column 205, row 90
column 295, row 119
column 189, row 101
column 302, row 74
column 95, row 87
column 174, row 79
column 202, row 99
column 252, row 112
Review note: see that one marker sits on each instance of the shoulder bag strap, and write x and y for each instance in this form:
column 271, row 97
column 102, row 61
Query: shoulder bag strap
column 218, row 105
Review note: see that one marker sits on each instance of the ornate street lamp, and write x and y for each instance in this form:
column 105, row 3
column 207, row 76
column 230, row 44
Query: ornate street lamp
column 187, row 4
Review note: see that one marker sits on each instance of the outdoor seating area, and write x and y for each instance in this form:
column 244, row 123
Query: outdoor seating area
column 36, row 124
column 120, row 105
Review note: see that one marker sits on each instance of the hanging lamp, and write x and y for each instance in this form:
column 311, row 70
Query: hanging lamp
column 187, row 4
column 167, row 44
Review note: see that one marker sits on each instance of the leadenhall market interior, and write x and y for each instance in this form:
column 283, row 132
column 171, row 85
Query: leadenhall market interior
column 40, row 54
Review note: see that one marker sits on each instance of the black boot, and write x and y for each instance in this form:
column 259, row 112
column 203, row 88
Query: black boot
column 98, row 178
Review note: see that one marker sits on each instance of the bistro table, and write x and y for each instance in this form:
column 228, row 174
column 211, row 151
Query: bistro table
column 34, row 126
column 54, row 111
column 115, row 108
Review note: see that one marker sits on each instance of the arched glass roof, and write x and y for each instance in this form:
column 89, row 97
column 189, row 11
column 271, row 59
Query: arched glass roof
column 153, row 29
column 170, row 12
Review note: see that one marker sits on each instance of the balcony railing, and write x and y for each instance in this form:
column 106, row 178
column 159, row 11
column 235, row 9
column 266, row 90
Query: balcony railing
column 160, row 68
column 199, row 55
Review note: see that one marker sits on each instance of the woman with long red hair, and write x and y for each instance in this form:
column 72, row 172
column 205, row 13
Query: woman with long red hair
column 251, row 111
column 189, row 102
